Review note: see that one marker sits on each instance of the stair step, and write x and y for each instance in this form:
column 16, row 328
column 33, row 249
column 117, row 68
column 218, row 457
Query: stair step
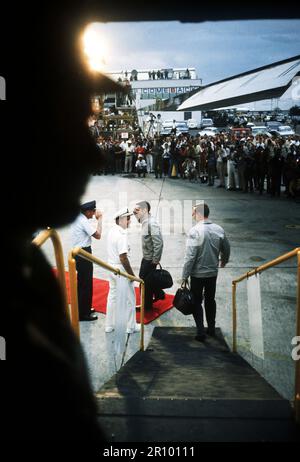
column 184, row 390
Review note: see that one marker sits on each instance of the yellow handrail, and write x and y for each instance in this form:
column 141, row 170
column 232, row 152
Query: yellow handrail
column 73, row 286
column 260, row 269
column 39, row 240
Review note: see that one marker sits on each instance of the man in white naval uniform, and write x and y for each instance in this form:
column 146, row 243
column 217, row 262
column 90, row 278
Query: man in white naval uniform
column 117, row 251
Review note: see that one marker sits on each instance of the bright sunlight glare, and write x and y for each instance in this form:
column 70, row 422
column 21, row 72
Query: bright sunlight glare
column 95, row 48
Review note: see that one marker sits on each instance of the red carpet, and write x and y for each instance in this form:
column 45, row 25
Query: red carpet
column 100, row 293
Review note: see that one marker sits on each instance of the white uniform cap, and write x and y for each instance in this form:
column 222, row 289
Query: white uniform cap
column 123, row 212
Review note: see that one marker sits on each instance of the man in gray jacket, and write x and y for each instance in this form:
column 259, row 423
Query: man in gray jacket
column 206, row 241
column 152, row 245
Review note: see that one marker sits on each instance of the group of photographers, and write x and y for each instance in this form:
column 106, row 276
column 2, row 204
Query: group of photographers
column 249, row 164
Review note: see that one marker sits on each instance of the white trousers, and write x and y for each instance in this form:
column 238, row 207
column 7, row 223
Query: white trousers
column 233, row 176
column 128, row 164
column 149, row 160
column 112, row 302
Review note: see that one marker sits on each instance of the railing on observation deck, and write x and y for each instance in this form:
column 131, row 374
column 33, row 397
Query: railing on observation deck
column 260, row 269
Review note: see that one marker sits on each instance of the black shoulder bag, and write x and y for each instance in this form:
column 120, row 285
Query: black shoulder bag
column 159, row 278
column 184, row 299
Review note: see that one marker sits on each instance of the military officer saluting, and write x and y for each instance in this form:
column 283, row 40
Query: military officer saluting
column 82, row 233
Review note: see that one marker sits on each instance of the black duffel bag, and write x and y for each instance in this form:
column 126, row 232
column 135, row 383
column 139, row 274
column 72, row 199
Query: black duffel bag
column 159, row 279
column 184, row 299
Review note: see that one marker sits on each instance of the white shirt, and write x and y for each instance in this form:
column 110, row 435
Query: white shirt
column 127, row 147
column 82, row 232
column 141, row 163
column 117, row 243
column 158, row 126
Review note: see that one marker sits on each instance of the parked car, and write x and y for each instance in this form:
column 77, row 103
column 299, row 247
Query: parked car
column 209, row 131
column 283, row 131
column 280, row 118
column 192, row 123
column 167, row 124
column 206, row 123
column 181, row 127
column 273, row 125
column 166, row 131
column 260, row 130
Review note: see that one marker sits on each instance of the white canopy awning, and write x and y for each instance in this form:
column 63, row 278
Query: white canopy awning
column 266, row 82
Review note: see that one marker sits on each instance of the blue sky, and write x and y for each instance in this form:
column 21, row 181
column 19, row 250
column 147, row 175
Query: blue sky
column 216, row 49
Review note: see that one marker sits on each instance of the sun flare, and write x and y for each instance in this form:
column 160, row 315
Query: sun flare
column 95, row 48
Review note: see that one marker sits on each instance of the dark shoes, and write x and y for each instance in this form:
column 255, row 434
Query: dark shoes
column 208, row 331
column 89, row 317
column 161, row 296
column 211, row 332
column 148, row 309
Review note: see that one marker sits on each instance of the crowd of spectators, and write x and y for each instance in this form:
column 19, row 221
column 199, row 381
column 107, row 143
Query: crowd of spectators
column 259, row 164
column 159, row 74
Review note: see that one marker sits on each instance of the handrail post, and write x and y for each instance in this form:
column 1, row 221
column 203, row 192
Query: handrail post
column 73, row 293
column 234, row 317
column 59, row 258
column 142, row 346
column 297, row 365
